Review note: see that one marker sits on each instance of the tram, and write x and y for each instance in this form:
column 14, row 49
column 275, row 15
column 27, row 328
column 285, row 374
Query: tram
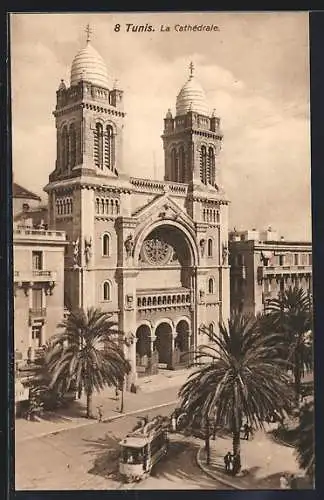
column 142, row 448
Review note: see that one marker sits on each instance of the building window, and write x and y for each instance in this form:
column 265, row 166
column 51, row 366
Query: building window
column 25, row 207
column 296, row 259
column 182, row 171
column 37, row 258
column 211, row 329
column 203, row 164
column 37, row 299
column 73, row 146
column 65, row 148
column 210, row 285
column 211, row 165
column 210, row 248
column 106, row 245
column 98, row 145
column 174, row 166
column 36, row 336
column 310, row 260
column 281, row 260
column 106, row 291
column 109, row 147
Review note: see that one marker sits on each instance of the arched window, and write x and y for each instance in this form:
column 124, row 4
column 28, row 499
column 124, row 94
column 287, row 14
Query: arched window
column 106, row 245
column 203, row 164
column 210, row 285
column 98, row 146
column 210, row 248
column 174, row 165
column 211, row 165
column 65, row 148
column 97, row 205
column 73, row 148
column 106, row 291
column 109, row 147
column 211, row 328
column 182, row 167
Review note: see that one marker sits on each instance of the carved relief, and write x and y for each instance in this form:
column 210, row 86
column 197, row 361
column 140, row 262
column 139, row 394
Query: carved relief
column 87, row 249
column 76, row 252
column 129, row 301
column 129, row 245
column 202, row 245
column 224, row 254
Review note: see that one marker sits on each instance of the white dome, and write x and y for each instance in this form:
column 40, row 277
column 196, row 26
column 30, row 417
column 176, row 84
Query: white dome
column 192, row 98
column 89, row 65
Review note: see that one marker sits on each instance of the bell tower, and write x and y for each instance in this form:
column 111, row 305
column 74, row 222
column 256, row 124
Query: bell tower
column 192, row 138
column 89, row 119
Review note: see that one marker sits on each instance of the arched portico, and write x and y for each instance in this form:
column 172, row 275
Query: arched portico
column 164, row 343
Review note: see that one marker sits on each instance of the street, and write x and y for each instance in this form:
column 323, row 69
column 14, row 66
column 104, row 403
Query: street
column 86, row 458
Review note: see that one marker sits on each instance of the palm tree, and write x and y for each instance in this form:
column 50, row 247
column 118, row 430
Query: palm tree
column 86, row 354
column 306, row 439
column 291, row 315
column 242, row 379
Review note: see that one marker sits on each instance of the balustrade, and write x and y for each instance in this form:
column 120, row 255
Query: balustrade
column 158, row 300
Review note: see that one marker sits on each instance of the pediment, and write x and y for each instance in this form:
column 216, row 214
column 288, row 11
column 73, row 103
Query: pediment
column 163, row 208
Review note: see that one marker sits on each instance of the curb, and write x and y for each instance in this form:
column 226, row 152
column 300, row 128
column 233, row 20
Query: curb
column 281, row 442
column 94, row 421
column 214, row 475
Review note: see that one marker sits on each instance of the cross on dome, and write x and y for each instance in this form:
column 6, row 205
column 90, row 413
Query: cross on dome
column 191, row 69
column 89, row 32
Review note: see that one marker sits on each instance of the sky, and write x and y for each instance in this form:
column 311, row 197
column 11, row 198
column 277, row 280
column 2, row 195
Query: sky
column 255, row 73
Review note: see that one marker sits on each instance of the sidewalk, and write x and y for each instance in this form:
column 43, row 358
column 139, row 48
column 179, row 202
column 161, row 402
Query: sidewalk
column 154, row 391
column 263, row 462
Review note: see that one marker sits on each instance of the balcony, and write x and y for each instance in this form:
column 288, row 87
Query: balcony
column 35, row 275
column 37, row 313
column 29, row 233
column 281, row 271
column 163, row 299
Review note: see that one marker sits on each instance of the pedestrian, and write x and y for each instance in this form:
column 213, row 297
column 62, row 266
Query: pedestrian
column 173, row 423
column 228, row 461
column 116, row 393
column 100, row 414
column 293, row 482
column 284, row 483
column 247, row 431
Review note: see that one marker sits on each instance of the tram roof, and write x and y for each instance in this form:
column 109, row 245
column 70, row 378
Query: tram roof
column 135, row 442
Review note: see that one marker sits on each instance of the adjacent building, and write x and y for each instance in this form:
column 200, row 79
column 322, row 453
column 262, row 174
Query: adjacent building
column 262, row 265
column 152, row 253
column 38, row 256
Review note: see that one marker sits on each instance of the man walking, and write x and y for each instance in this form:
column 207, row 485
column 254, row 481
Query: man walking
column 100, row 414
column 246, row 431
column 228, row 461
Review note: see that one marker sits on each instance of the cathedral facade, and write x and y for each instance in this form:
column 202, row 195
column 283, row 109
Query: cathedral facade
column 152, row 253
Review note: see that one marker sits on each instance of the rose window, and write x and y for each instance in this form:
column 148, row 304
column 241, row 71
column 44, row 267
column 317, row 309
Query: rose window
column 157, row 251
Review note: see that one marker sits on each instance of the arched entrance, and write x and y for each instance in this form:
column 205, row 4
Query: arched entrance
column 182, row 343
column 143, row 343
column 163, row 344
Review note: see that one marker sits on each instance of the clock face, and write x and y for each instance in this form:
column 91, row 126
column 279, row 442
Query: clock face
column 157, row 251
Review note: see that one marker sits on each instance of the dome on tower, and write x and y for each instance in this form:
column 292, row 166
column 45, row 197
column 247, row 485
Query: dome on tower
column 191, row 97
column 89, row 65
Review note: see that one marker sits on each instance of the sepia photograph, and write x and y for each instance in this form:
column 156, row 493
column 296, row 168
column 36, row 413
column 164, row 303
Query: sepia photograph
column 162, row 251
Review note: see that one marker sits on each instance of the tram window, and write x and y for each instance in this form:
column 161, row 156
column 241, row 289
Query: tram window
column 157, row 443
column 133, row 455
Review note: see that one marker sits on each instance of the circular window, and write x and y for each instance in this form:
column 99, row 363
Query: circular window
column 157, row 251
